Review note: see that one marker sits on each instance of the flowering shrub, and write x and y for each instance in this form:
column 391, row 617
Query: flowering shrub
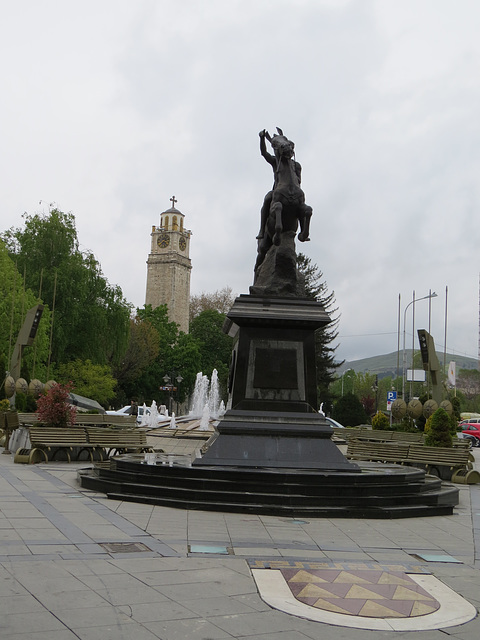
column 380, row 421
column 54, row 409
column 4, row 405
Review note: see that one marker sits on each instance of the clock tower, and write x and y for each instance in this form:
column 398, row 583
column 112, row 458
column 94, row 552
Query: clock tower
column 169, row 266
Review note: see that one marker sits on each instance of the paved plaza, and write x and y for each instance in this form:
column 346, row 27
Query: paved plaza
column 75, row 565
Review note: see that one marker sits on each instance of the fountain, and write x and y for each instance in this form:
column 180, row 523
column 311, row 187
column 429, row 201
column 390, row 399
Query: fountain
column 173, row 424
column 205, row 421
column 214, row 396
column 200, row 395
column 144, row 416
column 206, row 394
column 153, row 417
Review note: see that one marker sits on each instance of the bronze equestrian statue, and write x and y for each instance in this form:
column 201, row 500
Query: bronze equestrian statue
column 284, row 207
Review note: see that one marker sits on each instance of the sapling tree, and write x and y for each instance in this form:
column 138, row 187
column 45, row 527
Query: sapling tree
column 437, row 433
column 54, row 409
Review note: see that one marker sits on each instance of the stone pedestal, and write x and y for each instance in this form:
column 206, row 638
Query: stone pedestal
column 272, row 417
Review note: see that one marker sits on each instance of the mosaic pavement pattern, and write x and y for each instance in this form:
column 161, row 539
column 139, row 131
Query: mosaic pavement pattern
column 366, row 595
column 377, row 594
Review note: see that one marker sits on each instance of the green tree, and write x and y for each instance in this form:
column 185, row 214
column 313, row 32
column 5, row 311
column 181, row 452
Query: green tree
column 15, row 300
column 164, row 349
column 90, row 316
column 215, row 346
column 186, row 359
column 90, row 380
column 365, row 389
column 142, row 349
column 349, row 411
column 438, row 430
column 316, row 289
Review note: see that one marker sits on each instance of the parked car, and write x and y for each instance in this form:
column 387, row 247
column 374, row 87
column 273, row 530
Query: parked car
column 469, row 421
column 333, row 423
column 127, row 411
column 472, row 432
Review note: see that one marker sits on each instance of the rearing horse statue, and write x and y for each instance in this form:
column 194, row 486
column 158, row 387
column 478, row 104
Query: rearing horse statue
column 284, row 207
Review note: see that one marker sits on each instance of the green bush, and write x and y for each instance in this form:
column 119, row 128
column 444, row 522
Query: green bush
column 380, row 421
column 349, row 411
column 21, row 402
column 407, row 424
column 437, row 430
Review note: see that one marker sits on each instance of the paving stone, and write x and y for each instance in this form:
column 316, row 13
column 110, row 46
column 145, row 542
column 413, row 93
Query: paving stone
column 196, row 629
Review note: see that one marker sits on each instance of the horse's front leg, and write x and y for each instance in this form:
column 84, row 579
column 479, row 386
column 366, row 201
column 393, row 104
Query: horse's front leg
column 276, row 213
column 304, row 219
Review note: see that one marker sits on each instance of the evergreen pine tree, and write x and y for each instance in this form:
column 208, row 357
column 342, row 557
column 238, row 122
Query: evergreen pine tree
column 438, row 435
column 316, row 289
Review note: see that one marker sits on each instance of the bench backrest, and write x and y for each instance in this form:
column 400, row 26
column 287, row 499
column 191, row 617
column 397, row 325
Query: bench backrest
column 89, row 418
column 50, row 436
column 26, row 419
column 12, row 421
column 111, row 437
column 128, row 421
column 442, row 455
column 371, row 450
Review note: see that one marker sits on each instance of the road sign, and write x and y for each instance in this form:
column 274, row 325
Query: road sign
column 391, row 397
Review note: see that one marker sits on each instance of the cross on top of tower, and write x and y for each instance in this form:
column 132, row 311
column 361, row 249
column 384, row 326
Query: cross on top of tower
column 173, row 200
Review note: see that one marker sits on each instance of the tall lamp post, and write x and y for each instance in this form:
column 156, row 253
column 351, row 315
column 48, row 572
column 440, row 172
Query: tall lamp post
column 404, row 360
column 343, row 376
column 170, row 387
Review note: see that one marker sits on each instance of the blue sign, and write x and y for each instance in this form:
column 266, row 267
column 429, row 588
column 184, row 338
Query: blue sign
column 391, row 396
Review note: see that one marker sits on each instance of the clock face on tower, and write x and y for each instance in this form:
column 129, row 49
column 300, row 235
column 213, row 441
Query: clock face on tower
column 182, row 243
column 163, row 240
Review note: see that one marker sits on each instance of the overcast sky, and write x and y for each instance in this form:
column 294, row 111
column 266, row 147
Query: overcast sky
column 110, row 107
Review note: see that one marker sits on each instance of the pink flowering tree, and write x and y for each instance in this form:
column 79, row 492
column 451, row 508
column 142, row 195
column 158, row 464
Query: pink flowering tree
column 54, row 409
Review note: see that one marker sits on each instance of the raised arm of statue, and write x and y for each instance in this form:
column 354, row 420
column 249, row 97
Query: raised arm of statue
column 263, row 147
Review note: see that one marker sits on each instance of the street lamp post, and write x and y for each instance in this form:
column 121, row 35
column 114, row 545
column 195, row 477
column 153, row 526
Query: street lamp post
column 343, row 376
column 404, row 360
column 169, row 386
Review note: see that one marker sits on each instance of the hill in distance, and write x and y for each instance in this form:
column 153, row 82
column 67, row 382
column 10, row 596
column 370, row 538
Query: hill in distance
column 386, row 365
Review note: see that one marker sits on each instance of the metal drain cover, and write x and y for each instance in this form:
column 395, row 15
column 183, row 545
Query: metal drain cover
column 124, row 547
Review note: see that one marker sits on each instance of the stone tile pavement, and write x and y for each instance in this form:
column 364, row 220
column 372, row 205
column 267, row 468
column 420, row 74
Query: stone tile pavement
column 74, row 565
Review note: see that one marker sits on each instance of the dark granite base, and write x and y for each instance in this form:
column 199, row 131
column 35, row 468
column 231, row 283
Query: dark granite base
column 375, row 491
column 276, row 440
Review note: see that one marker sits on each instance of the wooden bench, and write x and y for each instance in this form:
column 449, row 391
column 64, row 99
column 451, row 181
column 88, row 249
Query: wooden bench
column 383, row 435
column 48, row 441
column 28, row 419
column 118, row 440
column 438, row 459
column 445, row 462
column 88, row 419
column 84, row 419
column 377, row 451
column 121, row 421
column 388, row 436
column 463, row 443
column 11, row 422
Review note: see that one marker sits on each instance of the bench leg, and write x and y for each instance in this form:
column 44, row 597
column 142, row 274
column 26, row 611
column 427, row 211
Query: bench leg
column 89, row 453
column 65, row 450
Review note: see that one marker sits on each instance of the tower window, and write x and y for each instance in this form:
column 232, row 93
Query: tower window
column 175, row 223
column 166, row 222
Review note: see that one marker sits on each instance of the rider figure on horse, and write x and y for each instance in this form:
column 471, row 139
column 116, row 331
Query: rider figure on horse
column 283, row 207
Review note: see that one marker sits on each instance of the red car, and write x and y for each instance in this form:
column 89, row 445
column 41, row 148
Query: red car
column 472, row 432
